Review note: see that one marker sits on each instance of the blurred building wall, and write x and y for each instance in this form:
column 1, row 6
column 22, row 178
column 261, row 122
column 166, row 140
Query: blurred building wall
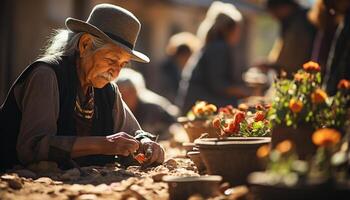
column 29, row 24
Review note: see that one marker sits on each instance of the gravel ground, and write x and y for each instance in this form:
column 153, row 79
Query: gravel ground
column 45, row 180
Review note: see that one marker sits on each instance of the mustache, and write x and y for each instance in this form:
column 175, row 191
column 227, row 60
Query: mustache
column 106, row 75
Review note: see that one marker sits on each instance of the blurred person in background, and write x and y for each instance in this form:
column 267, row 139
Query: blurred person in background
column 154, row 112
column 326, row 23
column 64, row 108
column 208, row 74
column 179, row 49
column 338, row 63
column 295, row 43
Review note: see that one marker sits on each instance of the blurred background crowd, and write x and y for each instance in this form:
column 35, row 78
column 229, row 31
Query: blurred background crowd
column 223, row 52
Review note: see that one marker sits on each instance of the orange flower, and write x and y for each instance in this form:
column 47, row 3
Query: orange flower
column 319, row 96
column 298, row 77
column 301, row 76
column 295, row 105
column 263, row 151
column 284, row 146
column 216, row 122
column 243, row 107
column 344, row 84
column 311, row 67
column 326, row 137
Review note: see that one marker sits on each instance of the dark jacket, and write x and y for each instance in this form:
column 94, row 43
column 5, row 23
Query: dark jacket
column 338, row 64
column 65, row 70
column 207, row 76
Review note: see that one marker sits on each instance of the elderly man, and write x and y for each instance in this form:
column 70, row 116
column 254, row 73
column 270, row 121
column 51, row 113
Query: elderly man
column 64, row 108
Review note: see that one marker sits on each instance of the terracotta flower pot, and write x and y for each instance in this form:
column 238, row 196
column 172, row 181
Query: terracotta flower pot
column 184, row 187
column 188, row 146
column 301, row 137
column 317, row 189
column 233, row 157
column 195, row 128
column 197, row 160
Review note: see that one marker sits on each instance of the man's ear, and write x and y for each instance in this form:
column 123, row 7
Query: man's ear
column 85, row 44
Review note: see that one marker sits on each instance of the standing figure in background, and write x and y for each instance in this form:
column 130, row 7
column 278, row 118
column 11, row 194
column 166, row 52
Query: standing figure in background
column 207, row 75
column 326, row 23
column 295, row 43
column 338, row 63
column 179, row 49
column 154, row 112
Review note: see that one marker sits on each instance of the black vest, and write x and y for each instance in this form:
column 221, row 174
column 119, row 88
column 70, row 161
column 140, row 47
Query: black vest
column 65, row 70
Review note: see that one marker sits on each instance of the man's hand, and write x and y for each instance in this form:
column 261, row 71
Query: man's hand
column 153, row 152
column 120, row 144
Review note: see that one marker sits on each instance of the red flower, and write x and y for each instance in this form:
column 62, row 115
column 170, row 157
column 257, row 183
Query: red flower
column 216, row 123
column 141, row 158
column 259, row 116
column 239, row 117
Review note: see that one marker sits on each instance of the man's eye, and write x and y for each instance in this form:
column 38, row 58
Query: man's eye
column 110, row 61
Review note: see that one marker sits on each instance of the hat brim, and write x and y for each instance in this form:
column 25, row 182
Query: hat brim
column 77, row 25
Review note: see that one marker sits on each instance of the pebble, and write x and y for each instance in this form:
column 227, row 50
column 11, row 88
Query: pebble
column 45, row 180
column 13, row 181
column 87, row 197
column 171, row 164
column 158, row 177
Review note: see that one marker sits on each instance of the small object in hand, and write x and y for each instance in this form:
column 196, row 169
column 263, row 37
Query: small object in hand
column 141, row 158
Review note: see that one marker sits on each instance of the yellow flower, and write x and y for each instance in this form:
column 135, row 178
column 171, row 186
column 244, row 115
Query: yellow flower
column 326, row 137
column 319, row 96
column 295, row 105
column 284, row 146
column 263, row 151
column 211, row 108
column 243, row 107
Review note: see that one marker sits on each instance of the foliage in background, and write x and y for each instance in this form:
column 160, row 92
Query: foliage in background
column 302, row 100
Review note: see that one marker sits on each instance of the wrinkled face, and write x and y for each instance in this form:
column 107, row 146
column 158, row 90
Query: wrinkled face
column 100, row 66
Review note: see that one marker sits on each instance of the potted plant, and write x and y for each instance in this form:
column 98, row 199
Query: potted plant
column 232, row 153
column 288, row 177
column 198, row 120
column 242, row 122
column 301, row 105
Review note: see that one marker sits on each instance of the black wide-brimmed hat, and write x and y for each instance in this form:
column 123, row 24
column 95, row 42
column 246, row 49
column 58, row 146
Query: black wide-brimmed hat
column 112, row 24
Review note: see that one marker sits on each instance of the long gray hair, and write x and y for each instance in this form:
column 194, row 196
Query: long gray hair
column 65, row 43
